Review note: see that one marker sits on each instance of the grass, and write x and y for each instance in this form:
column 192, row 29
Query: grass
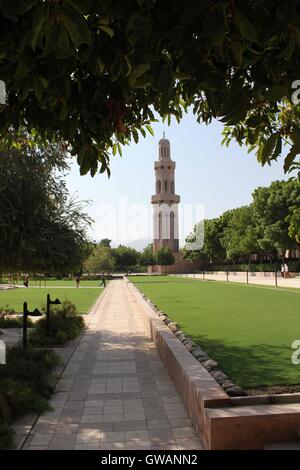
column 83, row 298
column 248, row 330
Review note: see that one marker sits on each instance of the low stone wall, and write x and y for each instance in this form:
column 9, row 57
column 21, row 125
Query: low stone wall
column 222, row 422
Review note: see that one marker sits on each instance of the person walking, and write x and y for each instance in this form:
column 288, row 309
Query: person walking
column 286, row 270
column 77, row 279
column 282, row 270
column 26, row 280
column 103, row 283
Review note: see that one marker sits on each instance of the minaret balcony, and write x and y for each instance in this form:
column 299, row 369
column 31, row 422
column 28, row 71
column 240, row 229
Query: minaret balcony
column 165, row 198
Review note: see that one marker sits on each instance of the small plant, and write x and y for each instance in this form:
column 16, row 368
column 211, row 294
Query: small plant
column 29, row 367
column 65, row 324
column 22, row 398
column 24, row 386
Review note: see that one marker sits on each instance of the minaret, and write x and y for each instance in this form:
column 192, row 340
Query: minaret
column 165, row 201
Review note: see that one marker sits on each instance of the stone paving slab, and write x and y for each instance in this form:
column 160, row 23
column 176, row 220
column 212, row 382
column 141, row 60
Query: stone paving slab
column 115, row 392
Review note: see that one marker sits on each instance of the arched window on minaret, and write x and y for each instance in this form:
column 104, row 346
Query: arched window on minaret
column 172, row 187
column 172, row 226
column 158, row 187
column 166, row 185
column 160, row 226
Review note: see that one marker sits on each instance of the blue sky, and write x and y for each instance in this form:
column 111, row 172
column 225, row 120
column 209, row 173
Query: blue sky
column 207, row 173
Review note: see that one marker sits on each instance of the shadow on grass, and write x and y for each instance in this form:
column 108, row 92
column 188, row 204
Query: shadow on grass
column 259, row 365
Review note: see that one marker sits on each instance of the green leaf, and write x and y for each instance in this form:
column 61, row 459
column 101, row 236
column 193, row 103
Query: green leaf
column 116, row 70
column 295, row 136
column 72, row 31
column 26, row 6
column 182, row 76
column 138, row 72
column 289, row 159
column 287, row 52
column 38, row 21
column 149, row 129
column 278, row 148
column 135, row 135
column 107, row 29
column 268, row 148
column 77, row 24
column 63, row 42
column 244, row 26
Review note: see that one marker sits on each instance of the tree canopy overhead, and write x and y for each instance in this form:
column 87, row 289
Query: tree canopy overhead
column 93, row 71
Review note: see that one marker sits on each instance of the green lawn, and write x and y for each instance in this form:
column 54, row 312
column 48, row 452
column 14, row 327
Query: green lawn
column 247, row 329
column 83, row 297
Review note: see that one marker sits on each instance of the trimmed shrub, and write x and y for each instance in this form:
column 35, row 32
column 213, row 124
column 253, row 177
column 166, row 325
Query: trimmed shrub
column 22, row 398
column 65, row 324
column 6, row 437
column 24, row 386
column 29, row 367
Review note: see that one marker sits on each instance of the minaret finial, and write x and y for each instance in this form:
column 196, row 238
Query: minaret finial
column 164, row 134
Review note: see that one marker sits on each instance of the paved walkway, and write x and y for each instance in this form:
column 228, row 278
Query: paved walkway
column 115, row 393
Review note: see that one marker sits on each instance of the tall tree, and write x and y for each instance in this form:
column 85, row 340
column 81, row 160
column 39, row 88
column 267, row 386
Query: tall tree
column 165, row 257
column 105, row 242
column 41, row 227
column 294, row 227
column 273, row 209
column 100, row 260
column 147, row 257
column 239, row 238
column 125, row 258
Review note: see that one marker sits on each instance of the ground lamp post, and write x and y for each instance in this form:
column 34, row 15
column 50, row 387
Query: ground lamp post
column 26, row 314
column 50, row 302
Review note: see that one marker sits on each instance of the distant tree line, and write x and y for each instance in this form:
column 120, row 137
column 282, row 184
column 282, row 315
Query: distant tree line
column 261, row 232
column 104, row 259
